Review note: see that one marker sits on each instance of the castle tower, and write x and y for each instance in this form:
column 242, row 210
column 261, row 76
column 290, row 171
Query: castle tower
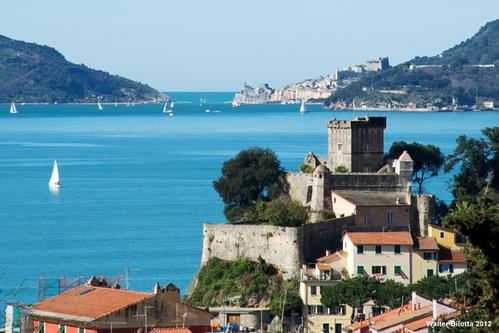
column 317, row 201
column 404, row 166
column 356, row 144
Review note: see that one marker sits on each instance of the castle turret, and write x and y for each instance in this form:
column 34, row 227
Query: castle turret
column 404, row 166
column 317, row 201
column 356, row 144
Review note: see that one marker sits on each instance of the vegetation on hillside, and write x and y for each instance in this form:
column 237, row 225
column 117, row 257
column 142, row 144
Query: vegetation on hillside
column 453, row 77
column 254, row 190
column 242, row 282
column 36, row 73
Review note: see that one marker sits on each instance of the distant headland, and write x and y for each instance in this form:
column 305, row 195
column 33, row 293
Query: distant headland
column 32, row 73
column 464, row 77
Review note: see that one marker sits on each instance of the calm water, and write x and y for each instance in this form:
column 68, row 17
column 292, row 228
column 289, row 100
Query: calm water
column 137, row 184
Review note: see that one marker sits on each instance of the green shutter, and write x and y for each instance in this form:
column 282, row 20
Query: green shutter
column 62, row 329
column 41, row 327
column 383, row 270
column 397, row 270
column 360, row 269
column 373, row 270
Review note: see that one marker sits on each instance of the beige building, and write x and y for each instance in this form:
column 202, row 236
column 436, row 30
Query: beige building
column 388, row 209
column 446, row 237
column 424, row 258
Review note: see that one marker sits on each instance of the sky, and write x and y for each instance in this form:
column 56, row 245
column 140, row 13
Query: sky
column 217, row 45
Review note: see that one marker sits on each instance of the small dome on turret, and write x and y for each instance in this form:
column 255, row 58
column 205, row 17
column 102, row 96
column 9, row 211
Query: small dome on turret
column 321, row 169
column 405, row 157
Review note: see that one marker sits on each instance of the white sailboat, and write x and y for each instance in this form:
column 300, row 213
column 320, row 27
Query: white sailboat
column 172, row 105
column 54, row 179
column 165, row 107
column 13, row 108
column 303, row 107
column 236, row 103
column 99, row 105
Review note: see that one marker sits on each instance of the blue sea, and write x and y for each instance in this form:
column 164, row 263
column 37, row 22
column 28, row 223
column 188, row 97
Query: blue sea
column 137, row 184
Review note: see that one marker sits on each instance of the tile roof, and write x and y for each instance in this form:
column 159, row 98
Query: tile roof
column 401, row 318
column 363, row 198
column 385, row 315
column 425, row 243
column 87, row 303
column 419, row 324
column 380, row 238
column 451, row 255
column 405, row 157
column 330, row 256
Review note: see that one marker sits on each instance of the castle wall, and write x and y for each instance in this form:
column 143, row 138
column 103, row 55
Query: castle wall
column 298, row 186
column 280, row 246
column 284, row 247
column 366, row 182
column 423, row 213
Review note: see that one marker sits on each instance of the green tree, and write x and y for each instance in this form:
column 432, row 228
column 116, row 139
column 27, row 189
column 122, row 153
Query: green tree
column 391, row 293
column 479, row 164
column 434, row 287
column 253, row 174
column 281, row 212
column 428, row 160
column 341, row 169
column 290, row 297
column 305, row 168
column 352, row 291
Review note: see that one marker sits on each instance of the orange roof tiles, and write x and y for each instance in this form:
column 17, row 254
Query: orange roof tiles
column 380, row 238
column 426, row 243
column 330, row 256
column 451, row 255
column 89, row 301
column 419, row 324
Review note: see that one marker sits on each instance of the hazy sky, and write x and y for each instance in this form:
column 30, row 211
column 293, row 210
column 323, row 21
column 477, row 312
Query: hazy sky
column 216, row 45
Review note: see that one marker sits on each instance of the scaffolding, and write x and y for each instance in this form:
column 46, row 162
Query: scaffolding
column 51, row 287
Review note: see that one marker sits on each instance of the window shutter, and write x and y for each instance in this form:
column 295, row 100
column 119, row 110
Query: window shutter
column 383, row 270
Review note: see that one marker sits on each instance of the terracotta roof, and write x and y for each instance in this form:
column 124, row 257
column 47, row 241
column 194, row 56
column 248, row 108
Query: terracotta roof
column 451, row 255
column 365, row 198
column 330, row 256
column 419, row 324
column 403, row 317
column 87, row 302
column 383, row 316
column 380, row 238
column 425, row 243
column 323, row 267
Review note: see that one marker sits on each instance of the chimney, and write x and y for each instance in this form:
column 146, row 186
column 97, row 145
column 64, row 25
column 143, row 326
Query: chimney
column 414, row 300
column 328, row 252
column 435, row 309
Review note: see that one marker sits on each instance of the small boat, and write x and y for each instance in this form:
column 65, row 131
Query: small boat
column 202, row 101
column 236, row 103
column 115, row 104
column 303, row 107
column 54, row 179
column 99, row 106
column 165, row 107
column 13, row 108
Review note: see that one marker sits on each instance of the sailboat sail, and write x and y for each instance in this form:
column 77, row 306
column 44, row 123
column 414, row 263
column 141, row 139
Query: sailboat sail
column 303, row 107
column 13, row 108
column 165, row 107
column 99, row 106
column 54, row 178
column 172, row 105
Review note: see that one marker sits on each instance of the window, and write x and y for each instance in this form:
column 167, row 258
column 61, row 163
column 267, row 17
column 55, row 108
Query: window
column 309, row 194
column 396, row 249
column 397, row 270
column 376, row 269
column 313, row 290
column 62, row 329
column 440, row 268
column 442, row 234
column 367, row 218
column 383, row 270
column 81, row 330
column 337, row 328
column 360, row 269
column 451, row 268
column 360, row 249
column 41, row 327
column 325, row 328
column 334, row 199
column 430, row 255
column 429, row 272
column 340, row 145
column 378, row 249
column 390, row 218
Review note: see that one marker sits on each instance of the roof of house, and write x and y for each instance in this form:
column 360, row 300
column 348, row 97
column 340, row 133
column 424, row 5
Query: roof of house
column 451, row 255
column 425, row 243
column 405, row 157
column 380, row 238
column 419, row 324
column 365, row 198
column 403, row 317
column 331, row 256
column 87, row 303
column 385, row 315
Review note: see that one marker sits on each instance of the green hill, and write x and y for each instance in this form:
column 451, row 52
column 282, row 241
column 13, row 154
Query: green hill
column 34, row 73
column 459, row 74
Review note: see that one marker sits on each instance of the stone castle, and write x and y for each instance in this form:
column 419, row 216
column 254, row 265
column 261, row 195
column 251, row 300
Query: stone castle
column 353, row 188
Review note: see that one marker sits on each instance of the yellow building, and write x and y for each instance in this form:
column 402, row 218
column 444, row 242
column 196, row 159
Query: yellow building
column 424, row 258
column 318, row 318
column 446, row 237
